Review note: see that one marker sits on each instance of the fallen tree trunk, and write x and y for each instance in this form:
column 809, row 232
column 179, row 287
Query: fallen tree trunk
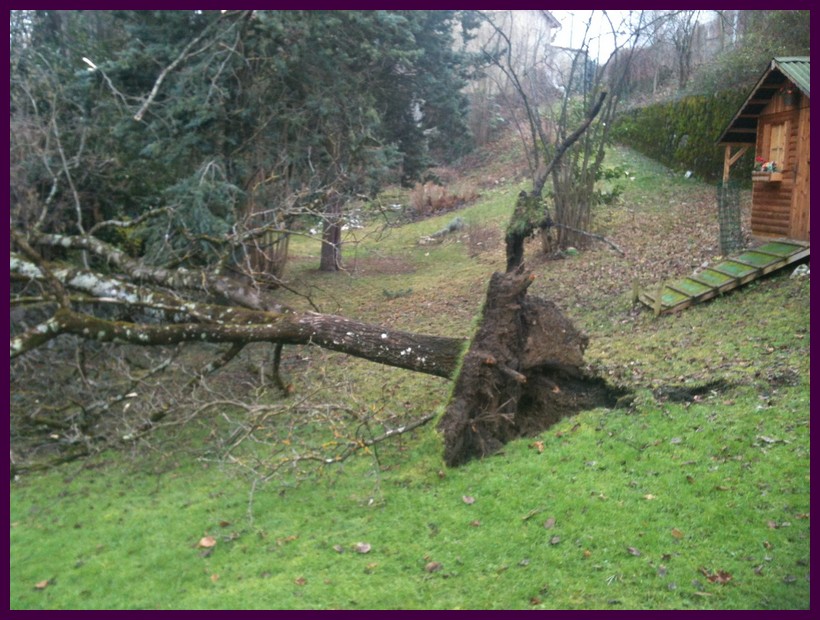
column 522, row 373
column 434, row 355
column 523, row 370
column 189, row 321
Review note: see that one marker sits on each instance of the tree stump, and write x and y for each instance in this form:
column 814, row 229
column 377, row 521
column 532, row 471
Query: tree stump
column 521, row 374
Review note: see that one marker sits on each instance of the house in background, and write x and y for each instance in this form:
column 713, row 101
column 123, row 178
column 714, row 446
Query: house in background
column 775, row 120
column 527, row 36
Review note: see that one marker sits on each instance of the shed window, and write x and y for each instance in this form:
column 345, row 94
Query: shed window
column 777, row 143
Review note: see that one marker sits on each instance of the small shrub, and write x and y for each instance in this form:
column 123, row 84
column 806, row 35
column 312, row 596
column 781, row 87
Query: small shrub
column 430, row 198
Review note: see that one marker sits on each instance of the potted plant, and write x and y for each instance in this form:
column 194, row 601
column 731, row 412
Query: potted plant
column 766, row 170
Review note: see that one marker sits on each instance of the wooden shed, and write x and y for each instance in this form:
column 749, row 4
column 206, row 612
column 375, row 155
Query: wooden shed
column 774, row 120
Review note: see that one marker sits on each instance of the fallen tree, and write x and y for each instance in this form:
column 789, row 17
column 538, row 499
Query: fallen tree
column 522, row 373
column 193, row 321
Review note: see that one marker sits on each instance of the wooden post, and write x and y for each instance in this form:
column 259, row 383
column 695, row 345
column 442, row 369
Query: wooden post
column 729, row 159
column 727, row 156
column 636, row 291
column 658, row 297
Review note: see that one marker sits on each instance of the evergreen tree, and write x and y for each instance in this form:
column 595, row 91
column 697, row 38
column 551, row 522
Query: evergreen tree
column 231, row 122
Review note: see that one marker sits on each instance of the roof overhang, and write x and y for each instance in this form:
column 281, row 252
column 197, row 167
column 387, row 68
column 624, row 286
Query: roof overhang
column 742, row 129
column 551, row 20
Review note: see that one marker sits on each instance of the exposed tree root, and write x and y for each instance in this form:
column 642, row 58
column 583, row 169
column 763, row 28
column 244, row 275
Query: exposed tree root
column 522, row 373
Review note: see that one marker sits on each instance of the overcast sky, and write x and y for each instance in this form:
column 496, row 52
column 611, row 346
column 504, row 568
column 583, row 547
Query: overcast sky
column 573, row 25
column 601, row 44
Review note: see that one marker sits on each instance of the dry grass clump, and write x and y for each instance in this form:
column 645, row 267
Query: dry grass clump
column 431, row 198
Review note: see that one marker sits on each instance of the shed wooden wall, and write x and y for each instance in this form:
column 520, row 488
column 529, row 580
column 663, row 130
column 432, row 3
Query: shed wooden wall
column 801, row 203
column 782, row 209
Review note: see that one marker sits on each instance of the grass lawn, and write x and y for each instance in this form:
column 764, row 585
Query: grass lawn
column 669, row 504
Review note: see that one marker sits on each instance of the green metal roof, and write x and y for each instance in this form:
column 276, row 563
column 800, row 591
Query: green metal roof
column 796, row 68
column 742, row 129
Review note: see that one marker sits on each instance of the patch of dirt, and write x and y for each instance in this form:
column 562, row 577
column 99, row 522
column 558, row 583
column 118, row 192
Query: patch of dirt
column 688, row 394
column 481, row 239
column 783, row 377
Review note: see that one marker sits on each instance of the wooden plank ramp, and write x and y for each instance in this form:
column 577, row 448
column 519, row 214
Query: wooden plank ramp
column 724, row 276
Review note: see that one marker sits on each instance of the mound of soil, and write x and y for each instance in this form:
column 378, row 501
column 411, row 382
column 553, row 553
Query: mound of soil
column 522, row 373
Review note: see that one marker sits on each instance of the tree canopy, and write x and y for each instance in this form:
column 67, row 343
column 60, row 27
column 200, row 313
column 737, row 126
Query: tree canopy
column 230, row 121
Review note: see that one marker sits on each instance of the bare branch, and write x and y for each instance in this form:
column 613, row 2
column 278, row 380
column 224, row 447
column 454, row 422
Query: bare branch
column 183, row 55
column 117, row 94
column 67, row 172
column 129, row 223
column 34, row 337
column 199, row 280
column 530, row 108
column 543, row 175
column 216, row 364
column 54, row 283
column 609, row 242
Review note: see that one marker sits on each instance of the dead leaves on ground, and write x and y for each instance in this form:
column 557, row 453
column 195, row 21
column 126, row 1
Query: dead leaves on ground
column 720, row 576
column 362, row 547
column 208, row 542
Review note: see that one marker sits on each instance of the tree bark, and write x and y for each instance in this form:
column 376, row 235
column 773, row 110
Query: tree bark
column 331, row 256
column 434, row 355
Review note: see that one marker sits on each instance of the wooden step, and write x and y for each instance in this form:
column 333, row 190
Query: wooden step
column 728, row 274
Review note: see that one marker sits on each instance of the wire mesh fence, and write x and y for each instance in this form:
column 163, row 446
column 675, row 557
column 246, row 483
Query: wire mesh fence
column 729, row 217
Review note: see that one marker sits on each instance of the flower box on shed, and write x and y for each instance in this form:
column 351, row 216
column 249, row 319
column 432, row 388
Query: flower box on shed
column 767, row 177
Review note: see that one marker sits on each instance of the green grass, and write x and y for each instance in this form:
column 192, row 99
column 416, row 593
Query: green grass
column 640, row 502
column 120, row 538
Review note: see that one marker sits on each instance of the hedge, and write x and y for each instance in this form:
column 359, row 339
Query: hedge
column 682, row 134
